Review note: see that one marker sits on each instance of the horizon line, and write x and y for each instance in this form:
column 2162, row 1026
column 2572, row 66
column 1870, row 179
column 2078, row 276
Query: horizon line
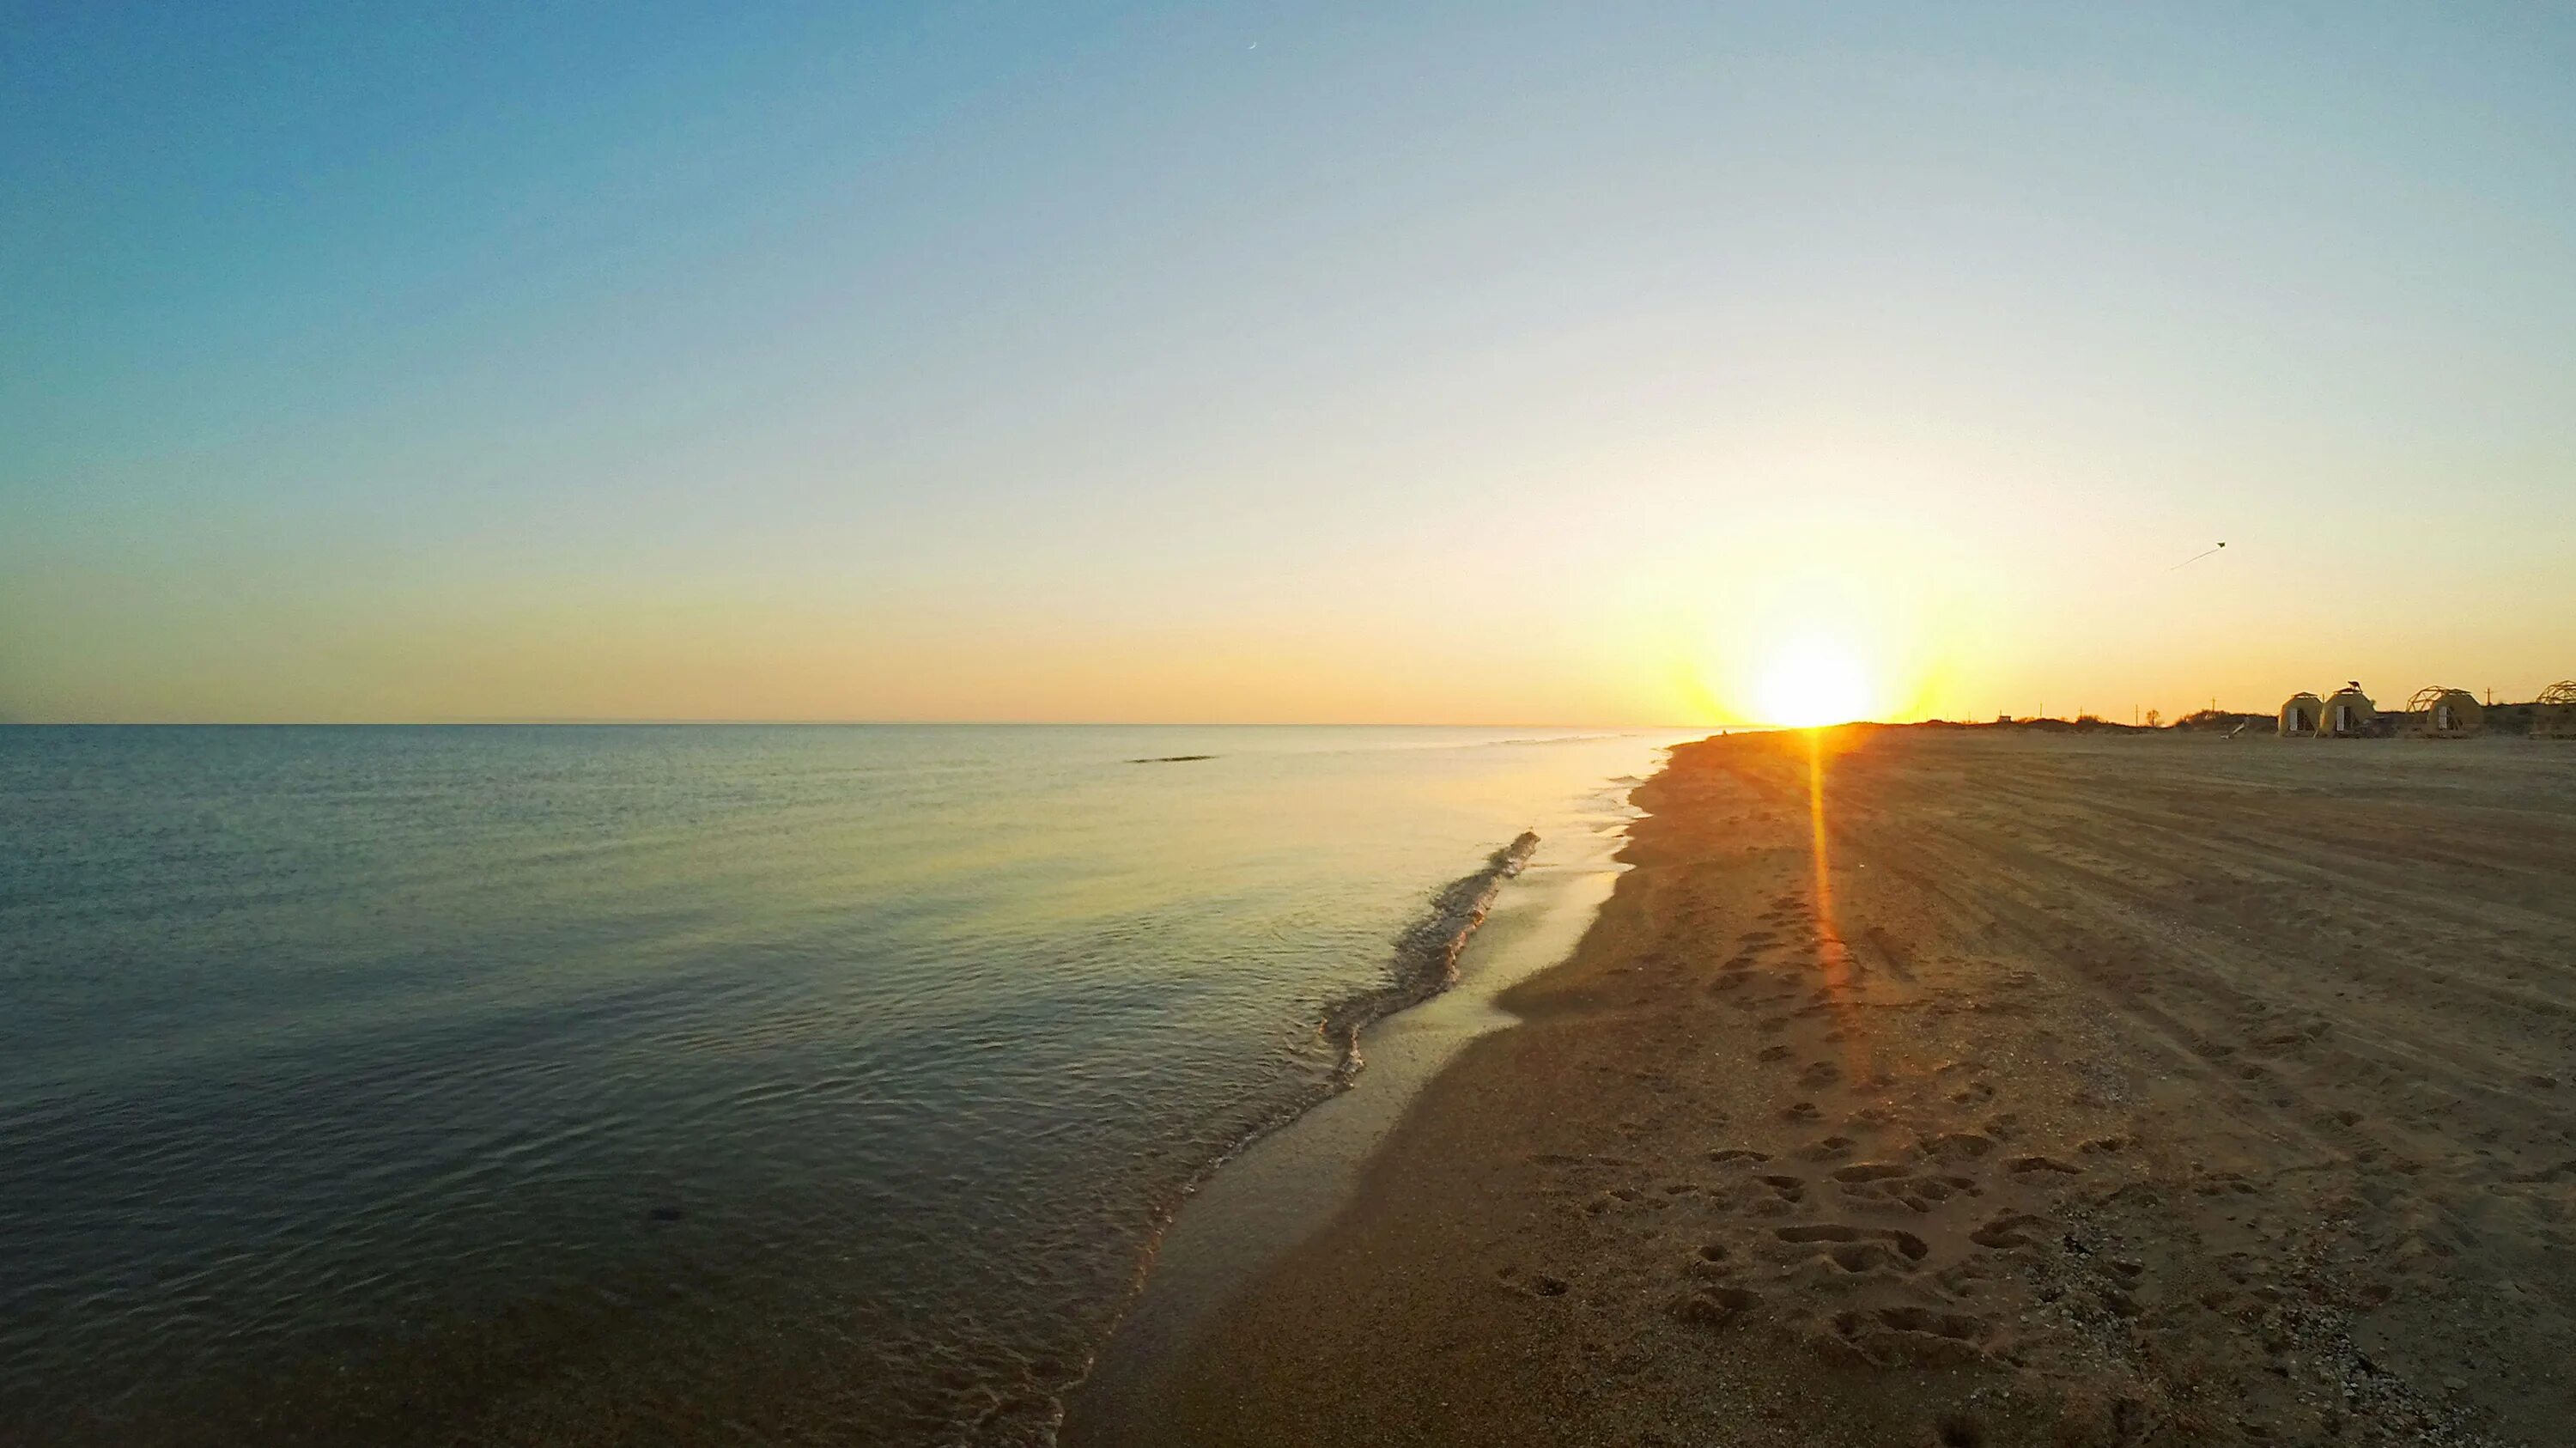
column 578, row 721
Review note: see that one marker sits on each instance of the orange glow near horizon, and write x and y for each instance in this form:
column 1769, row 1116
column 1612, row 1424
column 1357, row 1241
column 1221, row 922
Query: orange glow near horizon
column 1811, row 681
column 1835, row 632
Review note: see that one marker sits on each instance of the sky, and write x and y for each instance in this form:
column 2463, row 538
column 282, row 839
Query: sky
column 1478, row 363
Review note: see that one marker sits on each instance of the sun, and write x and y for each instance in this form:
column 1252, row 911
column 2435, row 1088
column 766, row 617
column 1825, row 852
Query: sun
column 1812, row 681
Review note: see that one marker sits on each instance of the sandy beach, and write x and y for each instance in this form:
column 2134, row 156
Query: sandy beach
column 1970, row 1087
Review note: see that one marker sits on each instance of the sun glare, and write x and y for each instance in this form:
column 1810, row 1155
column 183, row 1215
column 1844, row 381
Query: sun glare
column 1811, row 682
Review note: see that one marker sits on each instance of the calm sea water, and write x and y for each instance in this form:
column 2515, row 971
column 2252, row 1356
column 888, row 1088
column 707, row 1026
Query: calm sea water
column 695, row 1084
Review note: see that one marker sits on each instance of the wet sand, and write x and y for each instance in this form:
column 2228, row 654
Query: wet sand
column 1933, row 1087
column 1285, row 1186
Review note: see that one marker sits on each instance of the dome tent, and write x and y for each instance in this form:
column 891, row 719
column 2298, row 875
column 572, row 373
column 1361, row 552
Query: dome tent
column 2554, row 717
column 2440, row 712
column 2299, row 715
column 2348, row 714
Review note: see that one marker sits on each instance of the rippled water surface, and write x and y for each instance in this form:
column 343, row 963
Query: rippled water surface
column 693, row 1084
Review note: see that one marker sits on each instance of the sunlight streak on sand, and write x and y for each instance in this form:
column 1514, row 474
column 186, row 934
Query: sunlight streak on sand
column 1833, row 957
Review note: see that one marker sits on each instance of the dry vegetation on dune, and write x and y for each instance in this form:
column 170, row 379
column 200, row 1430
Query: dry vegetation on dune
column 2098, row 1091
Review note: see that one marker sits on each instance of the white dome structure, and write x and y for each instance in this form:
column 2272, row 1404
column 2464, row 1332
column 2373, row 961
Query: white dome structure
column 2349, row 714
column 2299, row 715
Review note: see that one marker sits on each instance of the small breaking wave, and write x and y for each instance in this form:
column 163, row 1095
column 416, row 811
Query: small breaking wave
column 1426, row 956
column 1424, row 964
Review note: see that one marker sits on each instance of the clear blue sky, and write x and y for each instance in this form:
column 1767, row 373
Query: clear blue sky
column 1523, row 364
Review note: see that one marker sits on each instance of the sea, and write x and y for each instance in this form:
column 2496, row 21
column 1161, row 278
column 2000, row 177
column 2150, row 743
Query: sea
column 683, row 1084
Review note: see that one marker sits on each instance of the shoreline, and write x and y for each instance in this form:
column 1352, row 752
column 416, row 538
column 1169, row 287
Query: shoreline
column 1963, row 1090
column 1287, row 1183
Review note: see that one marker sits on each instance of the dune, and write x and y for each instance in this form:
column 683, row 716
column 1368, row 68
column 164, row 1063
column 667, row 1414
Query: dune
column 1978, row 1087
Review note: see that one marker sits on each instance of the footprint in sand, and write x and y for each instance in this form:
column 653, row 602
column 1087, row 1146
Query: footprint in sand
column 1711, row 1260
column 1791, row 1189
column 1912, row 1335
column 1863, row 1258
column 1894, row 1336
column 2026, row 1164
column 1537, row 1284
column 1912, row 1248
column 1715, row 1306
column 1871, row 1171
column 2006, row 1232
column 1941, row 1188
column 1957, row 1326
column 1958, row 1145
